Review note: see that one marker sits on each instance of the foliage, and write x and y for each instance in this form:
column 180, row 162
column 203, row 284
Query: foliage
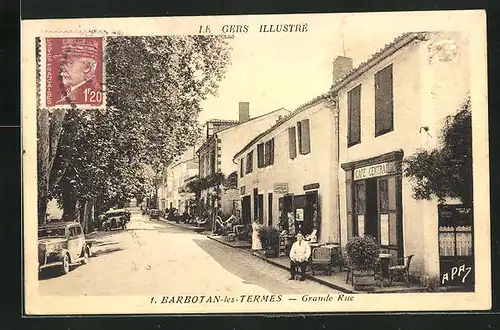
column 199, row 184
column 154, row 86
column 447, row 171
column 269, row 237
column 362, row 252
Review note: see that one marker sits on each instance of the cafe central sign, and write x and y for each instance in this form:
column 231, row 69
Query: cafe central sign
column 373, row 171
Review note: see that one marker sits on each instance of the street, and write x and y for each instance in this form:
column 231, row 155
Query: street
column 157, row 258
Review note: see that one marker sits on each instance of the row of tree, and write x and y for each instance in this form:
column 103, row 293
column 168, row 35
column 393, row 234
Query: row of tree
column 95, row 159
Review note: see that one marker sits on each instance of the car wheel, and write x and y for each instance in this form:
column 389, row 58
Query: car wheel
column 65, row 264
column 85, row 259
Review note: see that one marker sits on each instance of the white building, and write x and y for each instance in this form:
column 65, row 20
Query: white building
column 171, row 193
column 288, row 171
column 216, row 155
column 391, row 106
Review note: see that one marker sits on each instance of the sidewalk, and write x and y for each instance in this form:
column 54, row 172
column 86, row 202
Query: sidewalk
column 335, row 281
column 183, row 225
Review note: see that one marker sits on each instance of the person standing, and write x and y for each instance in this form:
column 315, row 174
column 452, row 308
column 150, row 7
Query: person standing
column 299, row 256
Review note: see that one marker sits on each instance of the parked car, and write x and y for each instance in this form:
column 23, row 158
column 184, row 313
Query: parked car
column 61, row 244
column 115, row 219
column 154, row 214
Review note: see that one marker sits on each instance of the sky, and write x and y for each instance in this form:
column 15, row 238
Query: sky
column 278, row 70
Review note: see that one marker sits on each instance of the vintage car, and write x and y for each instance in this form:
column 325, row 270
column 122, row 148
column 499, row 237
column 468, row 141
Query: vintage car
column 61, row 244
column 154, row 214
column 115, row 219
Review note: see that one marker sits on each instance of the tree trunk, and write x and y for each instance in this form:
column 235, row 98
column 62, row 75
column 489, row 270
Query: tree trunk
column 49, row 128
column 43, row 162
column 70, row 202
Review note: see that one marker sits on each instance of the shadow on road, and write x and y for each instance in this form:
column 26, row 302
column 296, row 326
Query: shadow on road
column 106, row 251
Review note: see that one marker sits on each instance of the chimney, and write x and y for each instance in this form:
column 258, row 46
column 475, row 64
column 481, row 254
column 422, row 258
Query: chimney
column 244, row 112
column 341, row 66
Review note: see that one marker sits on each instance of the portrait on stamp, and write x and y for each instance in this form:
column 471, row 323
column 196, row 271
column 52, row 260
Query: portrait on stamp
column 74, row 71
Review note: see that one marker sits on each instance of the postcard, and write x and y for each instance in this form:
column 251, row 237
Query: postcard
column 305, row 163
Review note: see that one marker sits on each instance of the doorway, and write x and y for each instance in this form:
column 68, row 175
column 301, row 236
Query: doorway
column 311, row 206
column 245, row 210
column 371, row 215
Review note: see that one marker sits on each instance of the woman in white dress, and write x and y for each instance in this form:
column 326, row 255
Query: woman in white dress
column 256, row 243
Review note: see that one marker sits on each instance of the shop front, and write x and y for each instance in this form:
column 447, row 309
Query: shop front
column 374, row 200
column 300, row 212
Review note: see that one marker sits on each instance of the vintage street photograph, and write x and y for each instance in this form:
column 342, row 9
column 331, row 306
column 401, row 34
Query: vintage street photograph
column 273, row 163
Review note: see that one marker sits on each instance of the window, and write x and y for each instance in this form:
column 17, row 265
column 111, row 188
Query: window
column 383, row 195
column 384, row 103
column 354, row 113
column 249, row 162
column 304, row 137
column 260, row 155
column 269, row 152
column 242, row 173
column 78, row 230
column 292, row 145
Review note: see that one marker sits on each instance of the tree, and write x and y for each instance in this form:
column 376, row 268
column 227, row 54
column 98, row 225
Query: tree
column 446, row 171
column 154, row 86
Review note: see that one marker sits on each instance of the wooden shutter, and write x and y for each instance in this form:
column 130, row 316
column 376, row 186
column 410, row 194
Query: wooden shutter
column 260, row 155
column 299, row 136
column 271, row 151
column 292, row 147
column 384, row 101
column 354, row 108
column 306, row 137
column 348, row 201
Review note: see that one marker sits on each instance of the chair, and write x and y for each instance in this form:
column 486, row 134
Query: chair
column 321, row 259
column 348, row 265
column 401, row 270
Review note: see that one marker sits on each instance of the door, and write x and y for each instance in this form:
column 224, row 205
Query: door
column 371, row 213
column 73, row 243
column 270, row 209
column 245, row 209
column 311, row 207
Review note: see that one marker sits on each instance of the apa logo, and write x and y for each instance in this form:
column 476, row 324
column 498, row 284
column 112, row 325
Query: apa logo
column 456, row 272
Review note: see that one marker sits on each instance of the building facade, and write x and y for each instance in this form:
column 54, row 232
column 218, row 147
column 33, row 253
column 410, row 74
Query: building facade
column 391, row 106
column 172, row 192
column 286, row 173
column 216, row 157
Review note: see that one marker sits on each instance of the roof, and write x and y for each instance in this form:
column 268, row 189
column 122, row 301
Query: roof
column 389, row 49
column 398, row 43
column 239, row 125
column 222, row 121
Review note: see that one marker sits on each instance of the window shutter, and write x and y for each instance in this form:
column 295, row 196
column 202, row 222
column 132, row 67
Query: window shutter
column 271, row 153
column 354, row 106
column 292, row 147
column 266, row 153
column 299, row 135
column 260, row 155
column 384, row 101
column 241, row 168
column 306, row 138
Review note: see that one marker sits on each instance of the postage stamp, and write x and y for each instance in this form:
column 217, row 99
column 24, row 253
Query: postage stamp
column 73, row 73
column 256, row 164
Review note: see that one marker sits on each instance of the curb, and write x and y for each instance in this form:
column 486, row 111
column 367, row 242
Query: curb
column 310, row 277
column 226, row 243
column 181, row 226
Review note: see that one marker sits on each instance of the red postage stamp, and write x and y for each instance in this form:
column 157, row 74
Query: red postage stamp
column 73, row 72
